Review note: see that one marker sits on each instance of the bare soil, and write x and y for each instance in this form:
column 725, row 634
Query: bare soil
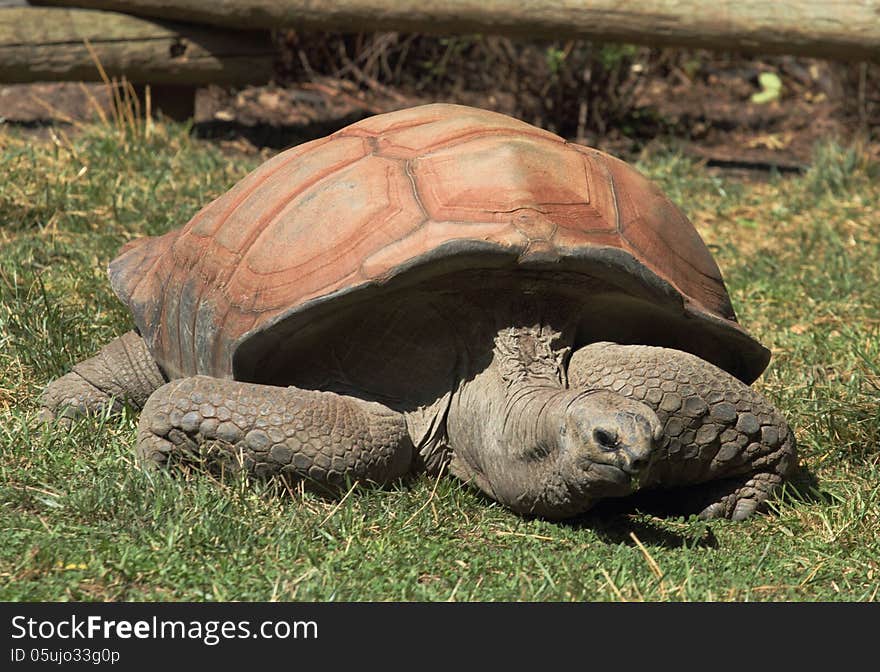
column 698, row 101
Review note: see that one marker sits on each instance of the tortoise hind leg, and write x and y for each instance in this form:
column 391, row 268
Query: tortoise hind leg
column 123, row 371
column 723, row 441
column 305, row 434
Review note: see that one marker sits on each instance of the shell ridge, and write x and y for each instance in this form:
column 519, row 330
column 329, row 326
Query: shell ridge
column 191, row 264
column 179, row 317
column 197, row 303
column 216, row 342
column 329, row 259
column 408, row 169
column 615, row 199
column 348, row 132
column 463, row 139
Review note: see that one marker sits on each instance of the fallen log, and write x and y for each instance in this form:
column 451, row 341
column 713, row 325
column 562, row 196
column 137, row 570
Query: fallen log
column 844, row 29
column 53, row 44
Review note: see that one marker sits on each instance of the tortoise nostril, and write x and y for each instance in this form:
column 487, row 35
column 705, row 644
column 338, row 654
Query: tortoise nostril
column 606, row 440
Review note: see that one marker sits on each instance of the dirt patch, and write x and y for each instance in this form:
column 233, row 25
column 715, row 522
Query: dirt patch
column 42, row 104
column 714, row 113
column 621, row 99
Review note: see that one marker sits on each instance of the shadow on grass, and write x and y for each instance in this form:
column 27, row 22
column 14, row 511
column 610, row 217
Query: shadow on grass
column 654, row 516
column 621, row 528
column 804, row 488
column 623, row 521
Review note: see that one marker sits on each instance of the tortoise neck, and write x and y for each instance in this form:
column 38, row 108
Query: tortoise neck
column 502, row 423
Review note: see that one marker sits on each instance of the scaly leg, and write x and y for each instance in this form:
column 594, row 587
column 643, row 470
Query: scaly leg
column 718, row 430
column 123, row 371
column 320, row 436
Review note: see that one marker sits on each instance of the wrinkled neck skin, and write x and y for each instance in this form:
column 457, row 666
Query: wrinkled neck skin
column 506, row 422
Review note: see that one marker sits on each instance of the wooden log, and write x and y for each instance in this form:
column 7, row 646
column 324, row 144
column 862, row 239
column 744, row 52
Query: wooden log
column 50, row 44
column 843, row 29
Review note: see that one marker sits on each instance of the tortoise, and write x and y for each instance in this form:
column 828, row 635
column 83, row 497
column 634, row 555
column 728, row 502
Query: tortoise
column 443, row 289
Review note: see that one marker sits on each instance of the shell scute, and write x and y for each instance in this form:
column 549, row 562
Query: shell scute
column 377, row 207
column 489, row 178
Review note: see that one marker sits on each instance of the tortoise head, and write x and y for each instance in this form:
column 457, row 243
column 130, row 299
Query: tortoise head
column 562, row 452
column 603, row 444
column 602, row 430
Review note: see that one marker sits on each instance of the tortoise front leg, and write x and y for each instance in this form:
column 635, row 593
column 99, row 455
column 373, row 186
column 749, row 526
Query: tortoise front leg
column 321, row 436
column 123, row 371
column 719, row 431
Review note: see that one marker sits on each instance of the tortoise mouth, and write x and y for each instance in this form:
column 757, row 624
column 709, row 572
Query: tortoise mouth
column 609, row 480
column 597, row 481
column 583, row 490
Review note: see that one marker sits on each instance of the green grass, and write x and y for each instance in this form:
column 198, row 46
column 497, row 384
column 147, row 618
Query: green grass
column 80, row 522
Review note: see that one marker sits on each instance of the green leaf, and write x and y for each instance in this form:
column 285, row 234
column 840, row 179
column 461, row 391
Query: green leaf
column 771, row 88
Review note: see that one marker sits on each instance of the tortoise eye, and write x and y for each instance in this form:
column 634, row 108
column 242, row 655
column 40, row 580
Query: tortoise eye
column 606, row 440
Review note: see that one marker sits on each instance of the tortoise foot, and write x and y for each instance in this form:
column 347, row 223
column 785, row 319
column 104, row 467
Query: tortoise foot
column 747, row 496
column 122, row 372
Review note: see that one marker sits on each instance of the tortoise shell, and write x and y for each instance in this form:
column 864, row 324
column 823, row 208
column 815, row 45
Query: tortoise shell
column 402, row 197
